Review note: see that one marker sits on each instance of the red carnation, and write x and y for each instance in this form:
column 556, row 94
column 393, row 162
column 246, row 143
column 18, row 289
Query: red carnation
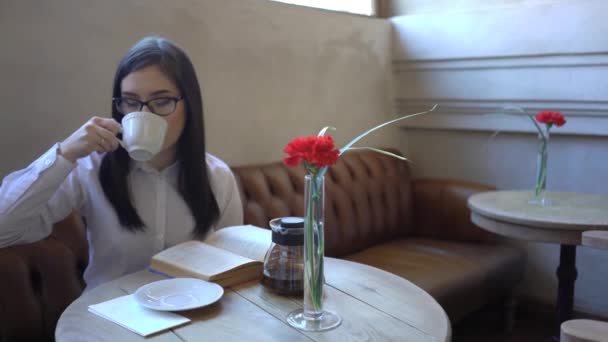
column 549, row 117
column 317, row 150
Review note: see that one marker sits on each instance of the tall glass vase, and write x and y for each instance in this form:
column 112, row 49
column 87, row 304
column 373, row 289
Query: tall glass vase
column 540, row 185
column 312, row 317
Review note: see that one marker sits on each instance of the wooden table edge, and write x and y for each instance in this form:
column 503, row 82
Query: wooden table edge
column 526, row 232
column 596, row 239
column 536, row 223
column 582, row 330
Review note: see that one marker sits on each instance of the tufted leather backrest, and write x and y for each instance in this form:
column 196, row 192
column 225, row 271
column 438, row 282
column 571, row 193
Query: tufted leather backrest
column 39, row 280
column 368, row 198
column 442, row 212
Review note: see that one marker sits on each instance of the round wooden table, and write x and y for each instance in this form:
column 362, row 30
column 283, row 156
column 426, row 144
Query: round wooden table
column 375, row 306
column 510, row 214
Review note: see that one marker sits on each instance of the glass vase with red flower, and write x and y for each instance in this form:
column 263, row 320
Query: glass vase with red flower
column 317, row 153
column 548, row 119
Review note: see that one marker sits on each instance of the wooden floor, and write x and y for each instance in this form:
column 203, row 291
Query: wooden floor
column 486, row 326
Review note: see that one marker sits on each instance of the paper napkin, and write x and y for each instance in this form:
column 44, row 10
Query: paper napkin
column 126, row 312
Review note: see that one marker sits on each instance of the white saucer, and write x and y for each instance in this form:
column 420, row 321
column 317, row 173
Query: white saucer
column 178, row 294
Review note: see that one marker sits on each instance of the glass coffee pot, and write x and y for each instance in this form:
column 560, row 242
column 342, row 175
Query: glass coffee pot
column 283, row 263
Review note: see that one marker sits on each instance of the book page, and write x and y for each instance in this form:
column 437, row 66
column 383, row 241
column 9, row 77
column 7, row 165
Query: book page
column 198, row 258
column 249, row 241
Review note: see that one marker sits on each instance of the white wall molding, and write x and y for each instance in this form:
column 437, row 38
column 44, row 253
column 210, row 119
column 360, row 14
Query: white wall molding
column 553, row 60
column 583, row 109
column 540, row 57
column 474, row 115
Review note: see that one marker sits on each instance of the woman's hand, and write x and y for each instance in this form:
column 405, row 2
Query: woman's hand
column 97, row 134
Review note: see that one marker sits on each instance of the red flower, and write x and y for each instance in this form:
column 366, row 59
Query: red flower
column 318, row 151
column 548, row 117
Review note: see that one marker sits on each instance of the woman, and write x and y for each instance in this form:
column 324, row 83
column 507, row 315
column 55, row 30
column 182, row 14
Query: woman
column 132, row 209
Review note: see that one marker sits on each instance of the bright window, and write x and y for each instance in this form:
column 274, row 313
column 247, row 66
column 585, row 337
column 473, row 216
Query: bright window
column 365, row 7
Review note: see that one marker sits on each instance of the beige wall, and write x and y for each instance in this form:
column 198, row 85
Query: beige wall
column 471, row 63
column 269, row 71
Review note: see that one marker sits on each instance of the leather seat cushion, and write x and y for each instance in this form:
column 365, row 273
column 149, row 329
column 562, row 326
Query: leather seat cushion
column 461, row 276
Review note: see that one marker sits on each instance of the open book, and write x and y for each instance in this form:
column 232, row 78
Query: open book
column 229, row 256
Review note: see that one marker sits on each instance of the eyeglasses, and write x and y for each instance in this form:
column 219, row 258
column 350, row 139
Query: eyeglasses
column 162, row 106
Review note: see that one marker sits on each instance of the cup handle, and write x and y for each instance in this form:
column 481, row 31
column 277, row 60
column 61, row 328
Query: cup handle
column 122, row 144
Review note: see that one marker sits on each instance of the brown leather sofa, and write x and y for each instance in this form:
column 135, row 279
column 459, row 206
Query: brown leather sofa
column 375, row 214
column 39, row 280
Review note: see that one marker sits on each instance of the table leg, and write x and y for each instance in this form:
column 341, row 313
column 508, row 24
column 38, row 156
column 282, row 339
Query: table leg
column 566, row 276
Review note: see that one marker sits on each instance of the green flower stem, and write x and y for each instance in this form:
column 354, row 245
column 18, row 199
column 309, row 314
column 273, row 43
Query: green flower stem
column 541, row 175
column 314, row 245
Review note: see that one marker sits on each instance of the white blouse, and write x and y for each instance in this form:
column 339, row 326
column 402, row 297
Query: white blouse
column 49, row 189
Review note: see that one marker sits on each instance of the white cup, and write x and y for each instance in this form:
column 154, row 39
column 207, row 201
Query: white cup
column 143, row 134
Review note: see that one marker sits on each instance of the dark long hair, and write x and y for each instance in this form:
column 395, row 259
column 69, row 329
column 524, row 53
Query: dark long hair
column 193, row 179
